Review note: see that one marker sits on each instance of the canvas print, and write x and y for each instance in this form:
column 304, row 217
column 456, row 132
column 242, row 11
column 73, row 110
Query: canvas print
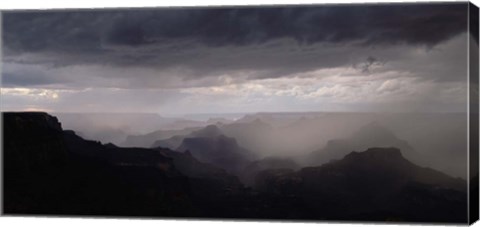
column 340, row 113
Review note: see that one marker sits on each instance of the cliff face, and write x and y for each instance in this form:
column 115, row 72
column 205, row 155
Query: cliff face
column 33, row 143
column 35, row 156
column 33, row 131
column 51, row 171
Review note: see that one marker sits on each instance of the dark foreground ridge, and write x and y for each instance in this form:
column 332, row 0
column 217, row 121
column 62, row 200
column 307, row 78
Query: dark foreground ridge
column 49, row 171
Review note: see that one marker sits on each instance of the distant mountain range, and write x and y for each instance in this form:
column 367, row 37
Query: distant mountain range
column 437, row 138
column 175, row 141
column 370, row 135
column 243, row 131
column 149, row 139
column 210, row 145
column 50, row 171
column 118, row 128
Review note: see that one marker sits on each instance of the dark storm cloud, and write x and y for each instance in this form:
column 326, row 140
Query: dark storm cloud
column 94, row 31
column 13, row 80
column 187, row 47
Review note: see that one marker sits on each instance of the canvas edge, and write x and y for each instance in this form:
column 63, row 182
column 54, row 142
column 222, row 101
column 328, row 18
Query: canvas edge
column 473, row 112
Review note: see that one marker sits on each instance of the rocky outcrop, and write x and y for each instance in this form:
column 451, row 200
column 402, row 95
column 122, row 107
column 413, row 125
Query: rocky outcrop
column 376, row 184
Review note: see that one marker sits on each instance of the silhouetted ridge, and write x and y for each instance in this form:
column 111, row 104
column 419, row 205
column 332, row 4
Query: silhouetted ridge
column 171, row 143
column 378, row 155
column 209, row 131
column 31, row 121
column 110, row 145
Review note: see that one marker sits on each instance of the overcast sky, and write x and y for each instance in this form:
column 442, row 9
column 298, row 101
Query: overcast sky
column 192, row 60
